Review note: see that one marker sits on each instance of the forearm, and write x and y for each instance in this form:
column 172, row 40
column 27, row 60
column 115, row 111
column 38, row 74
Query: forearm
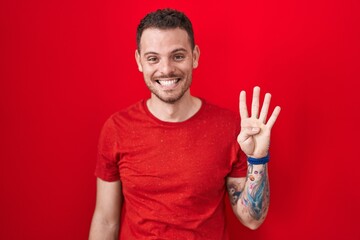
column 102, row 229
column 250, row 200
column 250, row 197
column 106, row 218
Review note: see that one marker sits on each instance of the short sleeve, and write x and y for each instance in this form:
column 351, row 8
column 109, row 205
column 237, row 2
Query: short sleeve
column 108, row 155
column 238, row 157
column 239, row 166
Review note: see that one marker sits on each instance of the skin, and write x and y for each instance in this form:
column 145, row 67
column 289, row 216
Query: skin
column 106, row 218
column 166, row 60
column 166, row 55
column 250, row 197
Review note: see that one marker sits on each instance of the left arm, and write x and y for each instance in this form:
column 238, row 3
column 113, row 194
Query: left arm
column 250, row 196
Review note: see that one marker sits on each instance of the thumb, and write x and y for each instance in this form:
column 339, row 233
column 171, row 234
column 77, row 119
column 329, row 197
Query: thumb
column 247, row 132
column 250, row 130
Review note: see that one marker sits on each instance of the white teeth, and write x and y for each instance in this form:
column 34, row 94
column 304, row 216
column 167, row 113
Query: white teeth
column 167, row 82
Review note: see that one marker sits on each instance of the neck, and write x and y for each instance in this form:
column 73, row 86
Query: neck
column 180, row 111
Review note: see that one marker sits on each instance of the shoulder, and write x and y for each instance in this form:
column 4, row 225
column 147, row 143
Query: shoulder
column 128, row 113
column 125, row 117
column 220, row 112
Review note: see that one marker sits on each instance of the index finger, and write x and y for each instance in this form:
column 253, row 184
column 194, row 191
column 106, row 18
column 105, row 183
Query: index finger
column 242, row 105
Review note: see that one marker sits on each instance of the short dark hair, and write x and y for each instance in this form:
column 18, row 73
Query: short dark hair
column 165, row 19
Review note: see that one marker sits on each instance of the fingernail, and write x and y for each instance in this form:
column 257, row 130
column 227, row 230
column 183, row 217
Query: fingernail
column 255, row 129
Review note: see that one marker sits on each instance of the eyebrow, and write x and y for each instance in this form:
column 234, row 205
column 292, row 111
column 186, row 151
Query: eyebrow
column 179, row 50
column 172, row 52
column 148, row 53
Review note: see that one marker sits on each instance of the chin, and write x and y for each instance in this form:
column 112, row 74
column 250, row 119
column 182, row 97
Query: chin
column 170, row 99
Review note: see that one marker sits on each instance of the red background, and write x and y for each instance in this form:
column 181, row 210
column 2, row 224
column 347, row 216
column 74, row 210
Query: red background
column 67, row 65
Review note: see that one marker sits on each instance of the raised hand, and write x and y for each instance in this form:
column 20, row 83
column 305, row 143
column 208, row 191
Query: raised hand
column 254, row 137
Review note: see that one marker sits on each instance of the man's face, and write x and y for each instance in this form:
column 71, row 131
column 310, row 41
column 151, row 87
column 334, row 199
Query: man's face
column 166, row 59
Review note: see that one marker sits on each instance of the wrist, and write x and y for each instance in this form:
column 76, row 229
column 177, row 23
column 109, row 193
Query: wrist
column 258, row 161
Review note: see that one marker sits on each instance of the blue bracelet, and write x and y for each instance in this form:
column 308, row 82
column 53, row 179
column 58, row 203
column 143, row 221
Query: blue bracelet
column 258, row 161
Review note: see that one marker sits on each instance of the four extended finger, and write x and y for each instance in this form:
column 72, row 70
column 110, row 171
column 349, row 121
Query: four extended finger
column 242, row 105
column 255, row 102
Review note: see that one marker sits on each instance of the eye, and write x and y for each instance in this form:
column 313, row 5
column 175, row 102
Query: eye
column 152, row 59
column 179, row 57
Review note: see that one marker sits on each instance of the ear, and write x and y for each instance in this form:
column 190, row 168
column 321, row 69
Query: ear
column 137, row 58
column 196, row 56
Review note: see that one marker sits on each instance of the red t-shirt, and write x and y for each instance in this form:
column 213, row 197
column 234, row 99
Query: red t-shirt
column 172, row 174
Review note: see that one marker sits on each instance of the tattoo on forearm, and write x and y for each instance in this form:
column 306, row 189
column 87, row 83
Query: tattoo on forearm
column 234, row 193
column 256, row 197
column 253, row 193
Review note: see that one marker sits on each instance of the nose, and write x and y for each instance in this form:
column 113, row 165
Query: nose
column 166, row 67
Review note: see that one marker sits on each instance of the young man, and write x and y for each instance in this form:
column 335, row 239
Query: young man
column 165, row 162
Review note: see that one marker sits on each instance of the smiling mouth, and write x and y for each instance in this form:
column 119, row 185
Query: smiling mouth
column 168, row 82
